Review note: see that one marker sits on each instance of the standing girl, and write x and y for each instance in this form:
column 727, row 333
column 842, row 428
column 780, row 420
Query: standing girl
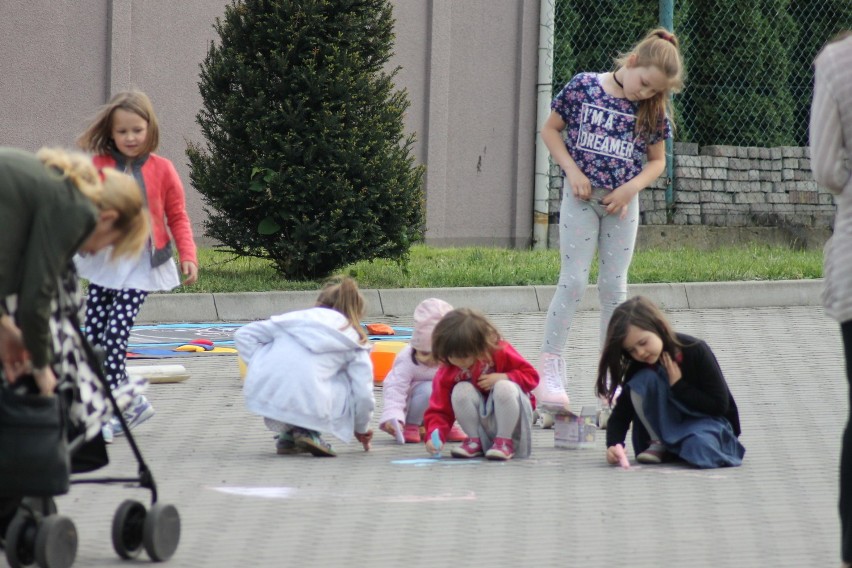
column 672, row 391
column 485, row 384
column 615, row 122
column 124, row 135
column 831, row 159
column 310, row 371
column 408, row 386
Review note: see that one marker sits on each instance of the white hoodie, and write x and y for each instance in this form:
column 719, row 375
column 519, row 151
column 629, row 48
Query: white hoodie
column 307, row 369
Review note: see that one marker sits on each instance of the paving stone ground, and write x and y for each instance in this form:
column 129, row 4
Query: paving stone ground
column 242, row 505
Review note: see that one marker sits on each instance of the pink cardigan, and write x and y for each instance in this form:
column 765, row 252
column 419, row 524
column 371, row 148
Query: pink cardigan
column 166, row 203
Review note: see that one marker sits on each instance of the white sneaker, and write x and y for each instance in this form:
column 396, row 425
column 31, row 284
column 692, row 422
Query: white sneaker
column 550, row 393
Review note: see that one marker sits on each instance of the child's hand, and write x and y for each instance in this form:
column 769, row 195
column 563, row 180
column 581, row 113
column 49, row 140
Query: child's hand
column 430, row 447
column 387, row 426
column 580, row 185
column 672, row 368
column 617, row 201
column 487, row 381
column 615, row 455
column 365, row 439
column 190, row 270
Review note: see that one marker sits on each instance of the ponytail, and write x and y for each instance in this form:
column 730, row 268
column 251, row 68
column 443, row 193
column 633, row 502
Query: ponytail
column 661, row 49
column 342, row 294
column 107, row 189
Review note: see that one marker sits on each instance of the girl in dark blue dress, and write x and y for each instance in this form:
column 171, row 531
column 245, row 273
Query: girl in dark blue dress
column 670, row 388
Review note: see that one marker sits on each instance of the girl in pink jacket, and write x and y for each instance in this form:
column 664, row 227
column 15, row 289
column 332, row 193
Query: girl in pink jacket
column 124, row 135
column 408, row 386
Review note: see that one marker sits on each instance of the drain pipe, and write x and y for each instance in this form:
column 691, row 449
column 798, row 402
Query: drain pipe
column 541, row 199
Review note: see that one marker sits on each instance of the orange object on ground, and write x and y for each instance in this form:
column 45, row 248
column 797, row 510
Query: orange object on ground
column 379, row 329
column 383, row 355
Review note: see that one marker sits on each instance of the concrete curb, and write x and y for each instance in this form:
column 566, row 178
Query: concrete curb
column 175, row 308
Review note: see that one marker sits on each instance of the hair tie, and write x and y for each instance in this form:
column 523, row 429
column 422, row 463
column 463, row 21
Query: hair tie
column 666, row 36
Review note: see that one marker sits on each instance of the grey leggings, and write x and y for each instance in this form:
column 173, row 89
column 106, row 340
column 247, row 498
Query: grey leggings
column 507, row 412
column 583, row 227
column 418, row 402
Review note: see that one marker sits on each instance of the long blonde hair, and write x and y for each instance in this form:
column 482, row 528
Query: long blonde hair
column 97, row 138
column 661, row 49
column 341, row 294
column 107, row 189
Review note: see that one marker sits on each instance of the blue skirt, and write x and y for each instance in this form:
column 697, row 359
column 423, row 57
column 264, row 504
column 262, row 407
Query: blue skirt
column 703, row 441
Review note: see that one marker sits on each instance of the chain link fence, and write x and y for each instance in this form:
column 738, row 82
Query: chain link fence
column 749, row 71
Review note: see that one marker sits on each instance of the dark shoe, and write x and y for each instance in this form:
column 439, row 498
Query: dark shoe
column 312, row 442
column 285, row 445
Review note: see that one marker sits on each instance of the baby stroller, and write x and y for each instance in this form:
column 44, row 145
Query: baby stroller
column 35, row 533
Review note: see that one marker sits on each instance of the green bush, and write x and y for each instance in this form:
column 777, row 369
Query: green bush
column 736, row 91
column 306, row 162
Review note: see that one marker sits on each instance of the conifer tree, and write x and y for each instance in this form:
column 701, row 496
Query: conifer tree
column 306, row 162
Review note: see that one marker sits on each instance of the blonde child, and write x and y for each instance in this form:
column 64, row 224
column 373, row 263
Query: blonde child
column 310, row 371
column 408, row 386
column 485, row 384
column 616, row 125
column 671, row 390
column 124, row 135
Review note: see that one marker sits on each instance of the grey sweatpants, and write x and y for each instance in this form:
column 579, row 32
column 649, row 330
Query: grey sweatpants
column 583, row 227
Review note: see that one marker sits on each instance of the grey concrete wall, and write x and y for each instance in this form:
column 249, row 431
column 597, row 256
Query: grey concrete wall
column 468, row 67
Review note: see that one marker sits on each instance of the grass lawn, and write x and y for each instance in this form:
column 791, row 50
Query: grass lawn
column 431, row 267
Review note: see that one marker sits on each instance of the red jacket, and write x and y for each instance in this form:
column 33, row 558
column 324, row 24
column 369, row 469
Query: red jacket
column 505, row 359
column 166, row 203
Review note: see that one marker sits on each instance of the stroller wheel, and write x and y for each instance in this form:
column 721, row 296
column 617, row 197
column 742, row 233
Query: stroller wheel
column 56, row 542
column 162, row 532
column 127, row 527
column 20, row 540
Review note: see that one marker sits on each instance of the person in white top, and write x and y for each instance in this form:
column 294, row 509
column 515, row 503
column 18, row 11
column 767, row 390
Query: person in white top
column 310, row 372
column 831, row 161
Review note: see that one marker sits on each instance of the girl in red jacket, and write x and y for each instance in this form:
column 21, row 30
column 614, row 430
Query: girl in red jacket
column 124, row 135
column 484, row 384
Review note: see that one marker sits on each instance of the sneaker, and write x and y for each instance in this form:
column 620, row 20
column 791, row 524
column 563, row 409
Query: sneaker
column 470, row 448
column 653, row 454
column 411, row 434
column 550, row 393
column 312, row 442
column 456, row 434
column 139, row 411
column 503, row 449
column 106, row 432
column 285, row 445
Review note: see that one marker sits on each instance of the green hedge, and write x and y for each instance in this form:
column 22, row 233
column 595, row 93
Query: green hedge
column 749, row 63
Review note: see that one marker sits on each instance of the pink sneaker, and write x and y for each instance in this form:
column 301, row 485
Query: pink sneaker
column 411, row 434
column 456, row 434
column 502, row 450
column 470, row 448
column 550, row 393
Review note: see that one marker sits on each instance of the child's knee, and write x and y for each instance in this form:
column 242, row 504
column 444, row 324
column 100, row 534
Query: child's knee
column 504, row 392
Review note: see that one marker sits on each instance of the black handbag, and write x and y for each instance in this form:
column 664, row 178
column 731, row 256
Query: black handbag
column 34, row 458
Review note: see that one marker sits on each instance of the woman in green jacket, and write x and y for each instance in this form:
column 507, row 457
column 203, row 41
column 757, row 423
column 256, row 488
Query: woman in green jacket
column 52, row 205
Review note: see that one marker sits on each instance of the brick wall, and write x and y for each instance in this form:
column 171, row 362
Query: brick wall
column 730, row 186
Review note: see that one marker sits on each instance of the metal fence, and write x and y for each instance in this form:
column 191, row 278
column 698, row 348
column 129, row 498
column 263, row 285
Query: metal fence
column 749, row 71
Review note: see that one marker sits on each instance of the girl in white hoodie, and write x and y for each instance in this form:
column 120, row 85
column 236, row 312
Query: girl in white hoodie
column 310, row 371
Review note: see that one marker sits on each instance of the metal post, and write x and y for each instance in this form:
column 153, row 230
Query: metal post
column 667, row 21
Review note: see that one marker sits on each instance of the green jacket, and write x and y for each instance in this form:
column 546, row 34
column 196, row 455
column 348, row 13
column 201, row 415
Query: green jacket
column 44, row 219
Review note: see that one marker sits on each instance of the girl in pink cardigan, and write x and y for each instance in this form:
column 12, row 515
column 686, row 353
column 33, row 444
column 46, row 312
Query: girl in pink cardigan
column 408, row 386
column 124, row 135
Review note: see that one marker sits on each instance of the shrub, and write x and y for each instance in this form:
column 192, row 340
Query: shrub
column 306, row 162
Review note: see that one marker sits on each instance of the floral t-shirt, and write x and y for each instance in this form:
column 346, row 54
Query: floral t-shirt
column 600, row 131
